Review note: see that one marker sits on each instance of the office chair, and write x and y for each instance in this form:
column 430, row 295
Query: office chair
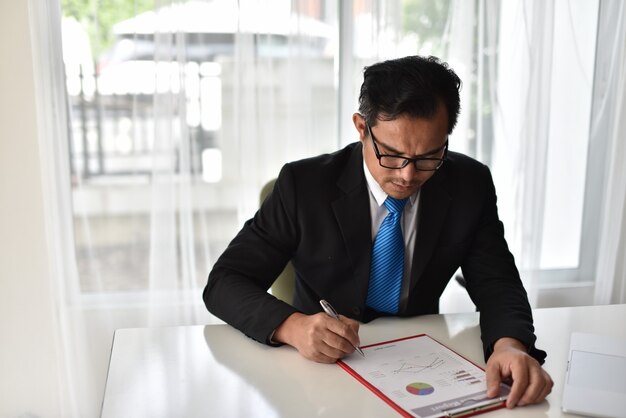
column 284, row 285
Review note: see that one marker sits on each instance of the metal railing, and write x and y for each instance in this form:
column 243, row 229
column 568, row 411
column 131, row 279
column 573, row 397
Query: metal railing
column 113, row 134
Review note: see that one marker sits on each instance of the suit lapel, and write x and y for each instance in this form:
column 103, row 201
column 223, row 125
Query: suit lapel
column 353, row 217
column 434, row 203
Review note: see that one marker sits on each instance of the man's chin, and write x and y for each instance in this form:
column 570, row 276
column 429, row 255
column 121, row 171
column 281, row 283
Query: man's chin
column 399, row 191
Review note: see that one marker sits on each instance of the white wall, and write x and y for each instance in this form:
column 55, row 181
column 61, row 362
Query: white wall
column 29, row 384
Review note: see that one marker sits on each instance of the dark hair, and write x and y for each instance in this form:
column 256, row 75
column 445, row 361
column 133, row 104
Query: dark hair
column 411, row 85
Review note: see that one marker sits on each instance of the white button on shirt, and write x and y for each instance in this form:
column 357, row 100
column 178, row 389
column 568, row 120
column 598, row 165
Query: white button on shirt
column 378, row 213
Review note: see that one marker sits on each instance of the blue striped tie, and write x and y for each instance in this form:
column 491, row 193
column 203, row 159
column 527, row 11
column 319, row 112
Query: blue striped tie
column 387, row 261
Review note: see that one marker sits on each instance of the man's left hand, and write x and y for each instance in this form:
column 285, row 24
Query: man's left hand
column 531, row 383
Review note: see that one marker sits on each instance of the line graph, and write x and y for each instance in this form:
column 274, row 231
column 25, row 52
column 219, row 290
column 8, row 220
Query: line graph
column 420, row 365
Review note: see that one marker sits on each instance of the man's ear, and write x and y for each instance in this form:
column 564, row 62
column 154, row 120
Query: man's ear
column 359, row 124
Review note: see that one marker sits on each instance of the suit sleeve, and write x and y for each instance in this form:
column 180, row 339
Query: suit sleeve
column 494, row 284
column 236, row 291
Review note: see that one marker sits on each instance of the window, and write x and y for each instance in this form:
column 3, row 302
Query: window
column 175, row 113
column 180, row 114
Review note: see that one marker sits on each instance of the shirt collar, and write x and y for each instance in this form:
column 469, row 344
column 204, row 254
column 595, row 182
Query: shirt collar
column 379, row 194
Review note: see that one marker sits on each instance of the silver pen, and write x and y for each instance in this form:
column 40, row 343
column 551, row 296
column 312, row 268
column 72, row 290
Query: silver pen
column 328, row 308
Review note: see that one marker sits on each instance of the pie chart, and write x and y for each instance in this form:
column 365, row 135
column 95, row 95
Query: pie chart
column 421, row 389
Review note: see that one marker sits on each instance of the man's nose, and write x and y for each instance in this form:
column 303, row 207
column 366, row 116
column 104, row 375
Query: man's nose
column 408, row 172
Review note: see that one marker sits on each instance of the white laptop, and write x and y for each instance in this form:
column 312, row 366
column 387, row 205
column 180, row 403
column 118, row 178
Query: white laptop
column 595, row 381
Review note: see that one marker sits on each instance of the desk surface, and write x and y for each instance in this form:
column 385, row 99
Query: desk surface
column 214, row 370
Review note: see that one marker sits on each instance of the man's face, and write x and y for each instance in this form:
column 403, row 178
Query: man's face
column 408, row 137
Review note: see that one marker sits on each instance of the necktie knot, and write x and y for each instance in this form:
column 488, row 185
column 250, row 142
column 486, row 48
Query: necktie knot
column 395, row 205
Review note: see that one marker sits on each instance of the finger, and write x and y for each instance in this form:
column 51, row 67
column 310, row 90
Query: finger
column 345, row 331
column 538, row 391
column 520, row 383
column 536, row 384
column 312, row 336
column 355, row 330
column 335, row 347
column 493, row 379
column 351, row 323
column 540, row 384
column 331, row 337
column 319, row 350
column 536, row 396
column 337, row 342
column 547, row 388
column 320, row 357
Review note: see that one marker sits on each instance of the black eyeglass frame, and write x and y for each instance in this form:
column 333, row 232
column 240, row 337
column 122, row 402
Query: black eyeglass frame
column 407, row 160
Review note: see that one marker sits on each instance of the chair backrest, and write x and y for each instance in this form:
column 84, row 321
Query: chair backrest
column 284, row 285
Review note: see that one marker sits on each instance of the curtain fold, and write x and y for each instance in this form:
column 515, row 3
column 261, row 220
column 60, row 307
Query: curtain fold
column 49, row 87
column 521, row 118
column 610, row 271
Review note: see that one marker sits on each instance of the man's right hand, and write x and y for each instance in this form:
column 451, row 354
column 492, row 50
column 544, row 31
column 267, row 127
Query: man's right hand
column 319, row 337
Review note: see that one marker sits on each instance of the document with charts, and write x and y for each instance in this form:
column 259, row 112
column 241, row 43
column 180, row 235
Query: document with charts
column 421, row 377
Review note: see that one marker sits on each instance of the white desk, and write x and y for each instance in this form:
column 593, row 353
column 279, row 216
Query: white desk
column 214, row 370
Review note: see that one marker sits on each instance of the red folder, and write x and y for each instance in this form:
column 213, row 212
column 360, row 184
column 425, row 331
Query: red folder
column 463, row 408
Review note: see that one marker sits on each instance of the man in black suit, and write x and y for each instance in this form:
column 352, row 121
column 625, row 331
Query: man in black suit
column 324, row 215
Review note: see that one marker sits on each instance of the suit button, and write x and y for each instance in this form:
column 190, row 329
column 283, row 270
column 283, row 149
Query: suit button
column 356, row 310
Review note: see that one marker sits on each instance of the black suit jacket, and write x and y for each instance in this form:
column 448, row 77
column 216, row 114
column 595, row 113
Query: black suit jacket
column 318, row 217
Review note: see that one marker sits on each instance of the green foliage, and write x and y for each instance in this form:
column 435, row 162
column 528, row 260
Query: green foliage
column 99, row 16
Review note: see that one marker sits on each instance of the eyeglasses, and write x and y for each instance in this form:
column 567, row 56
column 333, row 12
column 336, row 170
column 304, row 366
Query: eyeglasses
column 398, row 162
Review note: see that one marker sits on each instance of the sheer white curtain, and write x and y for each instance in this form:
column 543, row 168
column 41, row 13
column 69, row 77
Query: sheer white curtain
column 370, row 31
column 521, row 100
column 611, row 121
column 385, row 29
column 49, row 88
column 558, row 95
column 193, row 108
